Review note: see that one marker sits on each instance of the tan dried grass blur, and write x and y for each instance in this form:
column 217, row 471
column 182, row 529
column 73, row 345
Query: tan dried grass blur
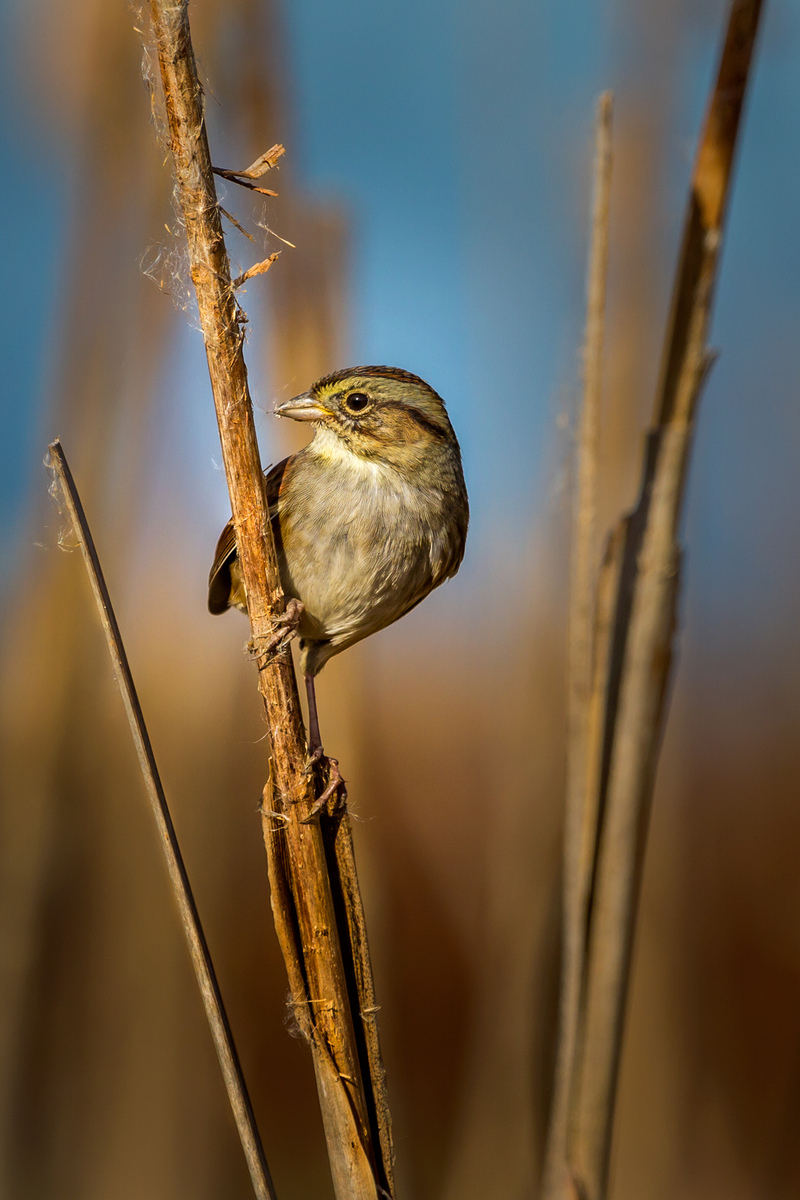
column 451, row 727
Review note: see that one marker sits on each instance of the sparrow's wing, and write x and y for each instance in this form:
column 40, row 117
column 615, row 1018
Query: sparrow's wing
column 219, row 579
column 444, row 570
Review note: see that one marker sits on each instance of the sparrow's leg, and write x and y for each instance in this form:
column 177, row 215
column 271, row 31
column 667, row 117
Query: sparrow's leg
column 317, row 756
column 314, row 740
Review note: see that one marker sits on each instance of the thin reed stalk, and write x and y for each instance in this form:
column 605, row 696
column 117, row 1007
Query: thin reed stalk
column 190, row 919
column 578, row 816
column 633, row 661
column 302, row 894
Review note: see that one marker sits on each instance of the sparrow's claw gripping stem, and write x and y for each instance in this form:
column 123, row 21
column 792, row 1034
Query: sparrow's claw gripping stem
column 336, row 784
column 315, row 757
column 284, row 628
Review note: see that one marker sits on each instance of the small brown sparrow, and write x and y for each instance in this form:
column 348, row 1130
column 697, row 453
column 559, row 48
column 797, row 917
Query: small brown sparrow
column 368, row 518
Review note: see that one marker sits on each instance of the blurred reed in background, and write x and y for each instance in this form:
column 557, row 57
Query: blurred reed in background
column 450, row 729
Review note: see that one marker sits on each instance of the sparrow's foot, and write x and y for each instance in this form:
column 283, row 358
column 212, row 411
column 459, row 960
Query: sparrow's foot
column 284, row 628
column 335, row 783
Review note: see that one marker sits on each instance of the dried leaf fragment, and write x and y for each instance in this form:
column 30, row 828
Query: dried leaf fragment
column 263, row 163
column 233, row 221
column 258, row 269
column 233, row 177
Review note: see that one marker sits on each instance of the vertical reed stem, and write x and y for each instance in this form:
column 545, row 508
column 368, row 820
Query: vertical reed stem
column 307, row 923
column 640, row 651
column 238, row 1097
column 577, row 871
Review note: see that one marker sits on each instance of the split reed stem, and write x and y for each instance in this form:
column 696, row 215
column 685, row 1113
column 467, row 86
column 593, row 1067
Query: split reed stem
column 632, row 666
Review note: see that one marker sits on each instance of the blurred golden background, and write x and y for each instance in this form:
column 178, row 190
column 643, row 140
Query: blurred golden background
column 436, row 190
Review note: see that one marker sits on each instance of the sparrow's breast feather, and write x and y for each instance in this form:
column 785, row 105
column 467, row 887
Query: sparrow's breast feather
column 360, row 547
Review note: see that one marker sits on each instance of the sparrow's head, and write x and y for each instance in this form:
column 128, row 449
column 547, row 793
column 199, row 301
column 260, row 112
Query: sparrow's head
column 378, row 413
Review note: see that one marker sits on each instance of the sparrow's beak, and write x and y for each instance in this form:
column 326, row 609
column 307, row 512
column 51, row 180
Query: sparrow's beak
column 303, row 408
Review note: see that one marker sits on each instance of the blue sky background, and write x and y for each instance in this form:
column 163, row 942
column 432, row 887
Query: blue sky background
column 457, row 139
column 34, row 202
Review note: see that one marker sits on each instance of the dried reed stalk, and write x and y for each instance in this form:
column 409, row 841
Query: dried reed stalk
column 577, row 872
column 302, row 899
column 632, row 662
column 190, row 918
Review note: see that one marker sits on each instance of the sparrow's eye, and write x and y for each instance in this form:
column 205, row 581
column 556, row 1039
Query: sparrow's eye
column 356, row 402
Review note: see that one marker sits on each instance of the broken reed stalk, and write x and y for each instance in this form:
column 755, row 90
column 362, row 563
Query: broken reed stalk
column 633, row 658
column 577, row 871
column 190, row 919
column 326, row 1006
